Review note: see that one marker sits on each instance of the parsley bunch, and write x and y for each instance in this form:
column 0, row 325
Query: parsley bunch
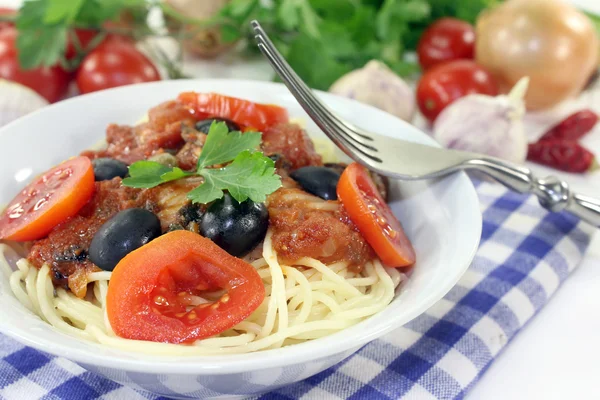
column 249, row 175
column 324, row 39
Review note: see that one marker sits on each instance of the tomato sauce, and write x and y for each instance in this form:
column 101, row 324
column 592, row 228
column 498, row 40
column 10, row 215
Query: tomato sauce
column 292, row 143
column 65, row 248
column 300, row 230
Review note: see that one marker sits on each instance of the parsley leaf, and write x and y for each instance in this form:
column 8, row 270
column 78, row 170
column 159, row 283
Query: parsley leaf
column 146, row 174
column 249, row 176
column 222, row 146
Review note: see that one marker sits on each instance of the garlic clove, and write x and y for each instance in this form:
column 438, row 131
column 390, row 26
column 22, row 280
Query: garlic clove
column 377, row 85
column 17, row 100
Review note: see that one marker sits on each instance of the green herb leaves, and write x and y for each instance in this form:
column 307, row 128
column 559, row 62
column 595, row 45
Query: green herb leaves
column 222, row 146
column 43, row 25
column 250, row 175
column 324, row 39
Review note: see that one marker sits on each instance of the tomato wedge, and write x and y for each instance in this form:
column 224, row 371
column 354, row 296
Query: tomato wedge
column 374, row 219
column 49, row 200
column 151, row 290
column 243, row 112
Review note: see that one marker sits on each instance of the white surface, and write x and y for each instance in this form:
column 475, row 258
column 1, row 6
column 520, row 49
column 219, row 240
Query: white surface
column 556, row 355
column 431, row 214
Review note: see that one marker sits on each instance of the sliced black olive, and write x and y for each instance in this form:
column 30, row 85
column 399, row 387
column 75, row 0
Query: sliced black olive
column 320, row 181
column 73, row 254
column 236, row 227
column 124, row 232
column 108, row 168
column 190, row 213
column 204, row 125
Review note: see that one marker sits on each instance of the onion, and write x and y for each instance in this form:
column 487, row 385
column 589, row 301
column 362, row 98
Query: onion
column 551, row 42
column 486, row 124
column 17, row 100
column 379, row 86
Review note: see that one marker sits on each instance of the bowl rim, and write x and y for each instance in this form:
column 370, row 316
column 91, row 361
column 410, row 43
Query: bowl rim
column 339, row 342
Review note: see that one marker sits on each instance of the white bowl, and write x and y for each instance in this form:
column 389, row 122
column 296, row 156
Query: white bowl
column 442, row 219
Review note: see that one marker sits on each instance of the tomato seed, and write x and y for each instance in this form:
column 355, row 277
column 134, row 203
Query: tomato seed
column 192, row 315
column 160, row 300
column 225, row 298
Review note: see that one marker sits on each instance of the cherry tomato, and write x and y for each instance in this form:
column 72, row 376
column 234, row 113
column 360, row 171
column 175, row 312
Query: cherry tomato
column 49, row 200
column 151, row 289
column 446, row 39
column 444, row 83
column 243, row 112
column 6, row 12
column 374, row 219
column 114, row 63
column 49, row 82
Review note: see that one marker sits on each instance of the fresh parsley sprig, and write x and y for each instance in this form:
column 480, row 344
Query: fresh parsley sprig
column 249, row 174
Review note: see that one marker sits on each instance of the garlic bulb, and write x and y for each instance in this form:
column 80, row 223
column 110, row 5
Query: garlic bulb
column 379, row 86
column 17, row 100
column 486, row 124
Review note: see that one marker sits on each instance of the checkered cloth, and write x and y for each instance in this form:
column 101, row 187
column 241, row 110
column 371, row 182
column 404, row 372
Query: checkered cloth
column 525, row 254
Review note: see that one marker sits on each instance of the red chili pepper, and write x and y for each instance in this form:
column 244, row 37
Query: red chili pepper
column 573, row 127
column 567, row 156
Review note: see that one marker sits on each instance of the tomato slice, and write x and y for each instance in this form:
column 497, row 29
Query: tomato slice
column 49, row 200
column 374, row 219
column 150, row 290
column 243, row 112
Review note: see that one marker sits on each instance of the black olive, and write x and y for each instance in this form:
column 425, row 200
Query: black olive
column 73, row 254
column 320, row 181
column 204, row 125
column 124, row 232
column 236, row 227
column 190, row 213
column 108, row 168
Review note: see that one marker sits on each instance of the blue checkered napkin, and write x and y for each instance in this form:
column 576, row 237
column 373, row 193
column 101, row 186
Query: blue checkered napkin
column 525, row 254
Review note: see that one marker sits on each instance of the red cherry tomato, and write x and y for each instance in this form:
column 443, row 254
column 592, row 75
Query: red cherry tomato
column 114, row 63
column 444, row 83
column 374, row 219
column 149, row 296
column 49, row 82
column 446, row 39
column 243, row 112
column 49, row 200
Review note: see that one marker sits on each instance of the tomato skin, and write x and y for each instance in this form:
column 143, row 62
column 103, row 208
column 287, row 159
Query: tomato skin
column 373, row 217
column 444, row 83
column 446, row 39
column 50, row 82
column 50, row 199
column 114, row 63
column 243, row 112
column 147, row 294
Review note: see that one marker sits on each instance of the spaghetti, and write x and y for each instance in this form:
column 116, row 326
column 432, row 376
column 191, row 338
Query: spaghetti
column 306, row 301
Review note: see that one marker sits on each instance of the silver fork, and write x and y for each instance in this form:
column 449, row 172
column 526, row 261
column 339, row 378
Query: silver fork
column 406, row 160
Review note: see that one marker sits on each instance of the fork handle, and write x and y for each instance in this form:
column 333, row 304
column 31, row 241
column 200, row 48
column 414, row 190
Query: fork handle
column 552, row 193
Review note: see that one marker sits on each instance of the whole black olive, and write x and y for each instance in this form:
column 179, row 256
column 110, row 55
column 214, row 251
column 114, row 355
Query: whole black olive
column 108, row 168
column 204, row 125
column 236, row 227
column 319, row 181
column 124, row 232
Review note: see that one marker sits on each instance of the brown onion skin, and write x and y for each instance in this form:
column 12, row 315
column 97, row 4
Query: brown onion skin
column 551, row 42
